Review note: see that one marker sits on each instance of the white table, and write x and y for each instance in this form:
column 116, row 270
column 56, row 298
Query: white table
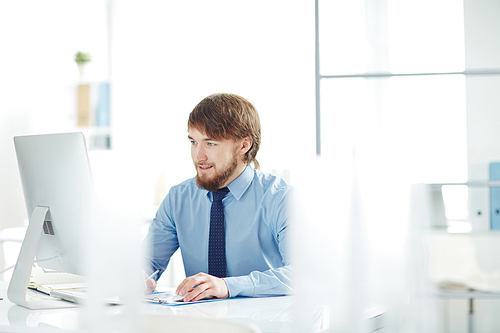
column 470, row 296
column 269, row 314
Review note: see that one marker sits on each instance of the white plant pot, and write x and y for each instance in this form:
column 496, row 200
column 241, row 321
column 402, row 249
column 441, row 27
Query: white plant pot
column 81, row 70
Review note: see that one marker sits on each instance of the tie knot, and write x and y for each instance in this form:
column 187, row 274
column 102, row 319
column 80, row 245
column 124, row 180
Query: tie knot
column 220, row 194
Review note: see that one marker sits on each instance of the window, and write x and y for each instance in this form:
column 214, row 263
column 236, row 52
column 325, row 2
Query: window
column 393, row 70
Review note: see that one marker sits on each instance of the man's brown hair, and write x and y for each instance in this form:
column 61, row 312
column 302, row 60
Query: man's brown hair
column 228, row 116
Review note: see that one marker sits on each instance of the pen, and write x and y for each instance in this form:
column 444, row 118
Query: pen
column 154, row 274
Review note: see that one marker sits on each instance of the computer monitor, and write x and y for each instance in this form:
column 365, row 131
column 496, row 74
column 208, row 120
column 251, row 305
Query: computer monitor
column 59, row 195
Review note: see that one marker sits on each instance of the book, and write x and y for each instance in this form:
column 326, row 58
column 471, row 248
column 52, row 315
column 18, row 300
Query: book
column 102, row 114
column 84, row 105
column 45, row 281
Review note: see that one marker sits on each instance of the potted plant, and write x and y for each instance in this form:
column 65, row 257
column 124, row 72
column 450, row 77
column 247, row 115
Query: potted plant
column 81, row 60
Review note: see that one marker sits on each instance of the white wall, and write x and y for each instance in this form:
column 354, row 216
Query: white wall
column 482, row 52
column 168, row 55
column 38, row 78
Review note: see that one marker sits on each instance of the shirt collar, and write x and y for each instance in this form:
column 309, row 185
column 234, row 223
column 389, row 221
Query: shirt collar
column 240, row 184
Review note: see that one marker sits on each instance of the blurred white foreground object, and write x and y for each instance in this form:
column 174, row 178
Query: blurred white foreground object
column 183, row 324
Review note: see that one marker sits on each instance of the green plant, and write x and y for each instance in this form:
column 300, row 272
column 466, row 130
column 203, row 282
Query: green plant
column 81, row 57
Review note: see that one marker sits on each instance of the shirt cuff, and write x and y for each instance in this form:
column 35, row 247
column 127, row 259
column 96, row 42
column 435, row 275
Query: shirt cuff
column 240, row 286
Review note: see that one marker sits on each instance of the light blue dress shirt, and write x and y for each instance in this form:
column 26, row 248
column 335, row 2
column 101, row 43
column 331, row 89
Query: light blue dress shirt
column 257, row 233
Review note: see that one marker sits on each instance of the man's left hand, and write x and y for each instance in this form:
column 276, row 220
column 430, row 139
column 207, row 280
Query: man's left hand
column 202, row 286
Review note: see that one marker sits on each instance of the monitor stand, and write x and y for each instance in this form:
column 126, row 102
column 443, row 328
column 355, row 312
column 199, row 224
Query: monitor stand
column 18, row 286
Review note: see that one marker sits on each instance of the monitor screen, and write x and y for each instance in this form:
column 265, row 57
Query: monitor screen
column 55, row 173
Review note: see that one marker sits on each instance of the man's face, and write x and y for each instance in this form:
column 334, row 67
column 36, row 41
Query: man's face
column 216, row 161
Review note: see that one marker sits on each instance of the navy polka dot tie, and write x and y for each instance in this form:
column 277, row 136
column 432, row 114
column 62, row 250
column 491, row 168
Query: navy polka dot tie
column 217, row 237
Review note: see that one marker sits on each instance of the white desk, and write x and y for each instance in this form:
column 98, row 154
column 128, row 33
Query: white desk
column 269, row 314
column 491, row 323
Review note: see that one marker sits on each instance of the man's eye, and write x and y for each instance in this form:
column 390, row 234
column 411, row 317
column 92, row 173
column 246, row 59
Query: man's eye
column 211, row 144
column 193, row 142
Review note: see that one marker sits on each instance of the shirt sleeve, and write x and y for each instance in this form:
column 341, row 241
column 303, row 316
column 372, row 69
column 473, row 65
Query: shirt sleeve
column 275, row 281
column 272, row 282
column 161, row 240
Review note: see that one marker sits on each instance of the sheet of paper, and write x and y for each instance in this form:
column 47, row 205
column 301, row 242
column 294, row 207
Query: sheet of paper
column 166, row 297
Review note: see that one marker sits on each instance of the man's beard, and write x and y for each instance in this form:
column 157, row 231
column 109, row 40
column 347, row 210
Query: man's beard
column 219, row 178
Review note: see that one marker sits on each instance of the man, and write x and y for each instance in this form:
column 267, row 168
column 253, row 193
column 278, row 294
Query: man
column 253, row 259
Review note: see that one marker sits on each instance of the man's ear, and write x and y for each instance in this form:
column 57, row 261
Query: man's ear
column 246, row 144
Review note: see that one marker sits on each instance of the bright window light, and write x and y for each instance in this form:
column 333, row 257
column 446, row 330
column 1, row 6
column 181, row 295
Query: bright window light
column 455, row 201
column 421, row 119
column 426, row 36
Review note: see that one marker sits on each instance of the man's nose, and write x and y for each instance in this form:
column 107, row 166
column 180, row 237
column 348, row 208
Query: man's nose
column 199, row 154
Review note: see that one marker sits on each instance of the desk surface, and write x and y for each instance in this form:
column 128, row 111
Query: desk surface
column 269, row 314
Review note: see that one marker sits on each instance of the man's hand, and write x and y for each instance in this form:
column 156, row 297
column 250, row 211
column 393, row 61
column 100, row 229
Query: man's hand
column 202, row 286
column 149, row 284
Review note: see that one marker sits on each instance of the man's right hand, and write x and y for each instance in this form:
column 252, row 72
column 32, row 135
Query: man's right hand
column 149, row 284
